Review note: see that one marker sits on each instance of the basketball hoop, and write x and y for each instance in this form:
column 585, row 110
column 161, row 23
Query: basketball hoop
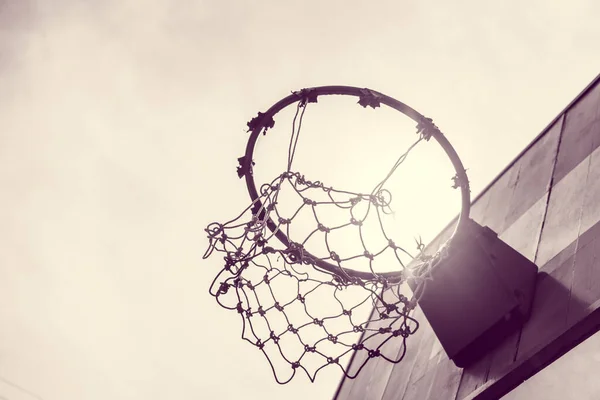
column 261, row 254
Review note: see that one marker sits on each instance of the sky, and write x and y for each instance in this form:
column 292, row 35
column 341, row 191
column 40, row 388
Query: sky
column 121, row 122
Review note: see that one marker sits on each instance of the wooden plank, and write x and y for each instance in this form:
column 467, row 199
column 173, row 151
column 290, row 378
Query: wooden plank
column 419, row 389
column 479, row 207
column 503, row 357
column 535, row 173
column 474, row 376
column 499, row 196
column 548, row 318
column 446, row 381
column 524, row 234
column 538, row 359
column 562, row 222
column 588, row 236
column 423, row 360
column 422, row 365
column 566, row 378
column 580, row 132
column 373, row 378
column 371, row 381
column 560, row 258
column 591, row 203
column 586, row 281
column 347, row 385
column 547, row 323
column 400, row 374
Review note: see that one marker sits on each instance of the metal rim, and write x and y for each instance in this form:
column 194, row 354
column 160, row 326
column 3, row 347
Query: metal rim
column 373, row 99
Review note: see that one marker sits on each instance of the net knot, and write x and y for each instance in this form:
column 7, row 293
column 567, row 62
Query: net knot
column 390, row 308
column 223, row 288
column 355, row 200
column 382, row 198
column 323, row 228
column 334, row 256
column 355, row 221
column 214, row 230
column 274, row 337
column 310, row 349
column 295, row 253
column 374, row 353
column 401, row 332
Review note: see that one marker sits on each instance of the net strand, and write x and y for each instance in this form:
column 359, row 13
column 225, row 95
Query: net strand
column 295, row 133
column 252, row 249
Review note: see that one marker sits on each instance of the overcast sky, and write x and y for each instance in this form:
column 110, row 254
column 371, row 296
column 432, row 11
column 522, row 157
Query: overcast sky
column 120, row 124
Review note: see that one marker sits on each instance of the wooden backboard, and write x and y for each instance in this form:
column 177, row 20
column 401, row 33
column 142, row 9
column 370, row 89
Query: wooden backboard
column 546, row 205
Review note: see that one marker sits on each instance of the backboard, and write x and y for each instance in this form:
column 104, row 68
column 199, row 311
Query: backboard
column 546, row 205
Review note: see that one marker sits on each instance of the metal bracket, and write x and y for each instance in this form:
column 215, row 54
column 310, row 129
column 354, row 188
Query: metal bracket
column 261, row 120
column 244, row 167
column 460, row 180
column 426, row 128
column 306, row 96
column 369, row 98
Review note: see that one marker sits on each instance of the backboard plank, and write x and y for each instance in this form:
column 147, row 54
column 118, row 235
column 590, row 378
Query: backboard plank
column 591, row 202
column 581, row 126
column 373, row 376
column 474, row 377
column 586, row 281
column 400, row 374
column 500, row 195
column 447, row 379
column 535, row 173
column 550, row 307
column 423, row 362
column 421, row 387
column 377, row 374
column 562, row 223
